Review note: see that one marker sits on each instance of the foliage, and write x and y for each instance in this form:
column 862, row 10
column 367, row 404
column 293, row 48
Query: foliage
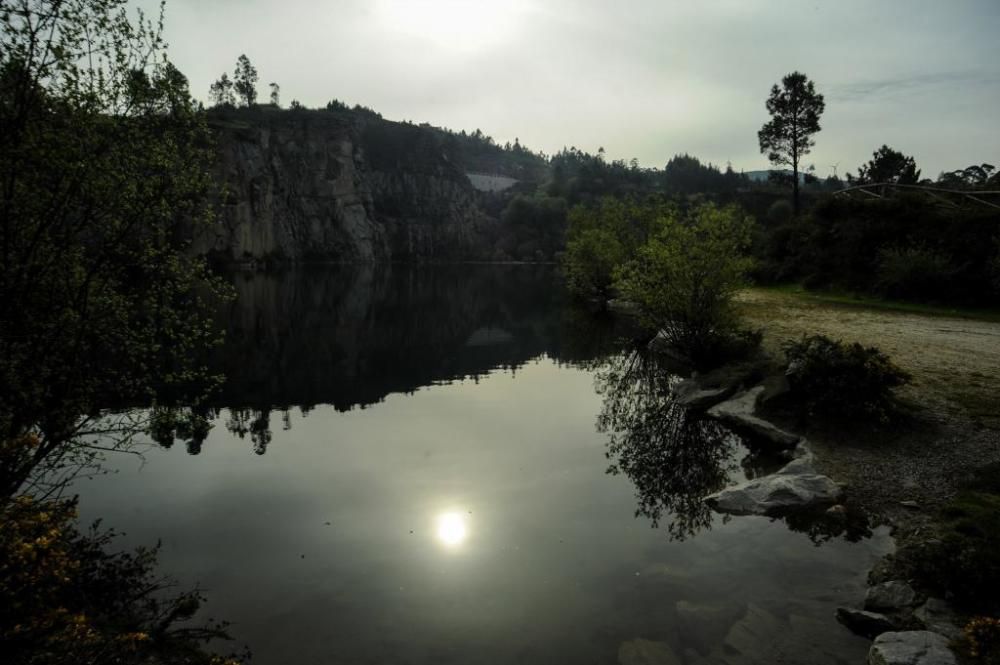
column 842, row 380
column 913, row 273
column 685, row 174
column 981, row 637
column 601, row 237
column 245, row 81
column 887, row 247
column 962, row 563
column 684, row 277
column 959, row 561
column 221, row 92
column 533, row 227
column 977, row 176
column 888, row 165
column 780, row 212
column 64, row 599
column 795, row 109
column 105, row 164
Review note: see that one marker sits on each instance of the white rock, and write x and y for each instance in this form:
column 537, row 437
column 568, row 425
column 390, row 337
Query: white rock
column 738, row 413
column 912, row 647
column 776, row 493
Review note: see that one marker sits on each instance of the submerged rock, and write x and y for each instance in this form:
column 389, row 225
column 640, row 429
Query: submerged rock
column 646, row 652
column 691, row 395
column 867, row 624
column 738, row 413
column 705, row 624
column 912, row 647
column 777, row 493
column 893, row 595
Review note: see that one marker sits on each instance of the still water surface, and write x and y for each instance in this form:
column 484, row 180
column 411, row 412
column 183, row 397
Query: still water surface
column 444, row 465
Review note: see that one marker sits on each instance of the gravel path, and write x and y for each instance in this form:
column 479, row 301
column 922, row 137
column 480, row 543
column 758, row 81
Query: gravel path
column 955, row 363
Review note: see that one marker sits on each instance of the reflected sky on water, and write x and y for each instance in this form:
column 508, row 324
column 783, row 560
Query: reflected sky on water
column 411, row 466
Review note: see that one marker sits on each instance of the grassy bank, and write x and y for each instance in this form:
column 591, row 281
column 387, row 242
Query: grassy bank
column 869, row 302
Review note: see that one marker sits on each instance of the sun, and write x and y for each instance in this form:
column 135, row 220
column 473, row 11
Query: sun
column 452, row 24
column 451, row 529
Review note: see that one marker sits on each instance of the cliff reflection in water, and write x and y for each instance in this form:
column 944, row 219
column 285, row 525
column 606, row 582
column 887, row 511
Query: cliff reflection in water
column 351, row 335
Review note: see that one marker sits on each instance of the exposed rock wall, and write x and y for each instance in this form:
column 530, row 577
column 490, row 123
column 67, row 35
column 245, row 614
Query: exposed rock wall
column 298, row 186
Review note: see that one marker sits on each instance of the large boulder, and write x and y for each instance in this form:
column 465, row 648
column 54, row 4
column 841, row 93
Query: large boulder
column 937, row 616
column 894, row 596
column 738, row 413
column 912, row 647
column 777, row 494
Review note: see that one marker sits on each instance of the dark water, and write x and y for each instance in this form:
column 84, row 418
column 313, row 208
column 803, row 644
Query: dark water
column 449, row 465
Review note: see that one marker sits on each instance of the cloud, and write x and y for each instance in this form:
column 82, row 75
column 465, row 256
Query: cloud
column 917, row 83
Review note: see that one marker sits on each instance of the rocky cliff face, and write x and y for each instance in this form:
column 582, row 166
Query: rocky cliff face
column 299, row 186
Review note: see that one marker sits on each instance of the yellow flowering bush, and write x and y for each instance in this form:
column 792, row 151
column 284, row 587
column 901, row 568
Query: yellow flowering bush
column 65, row 599
column 982, row 640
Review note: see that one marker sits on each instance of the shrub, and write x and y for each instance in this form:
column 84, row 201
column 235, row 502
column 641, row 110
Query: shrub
column 65, row 599
column 982, row 640
column 780, row 212
column 684, row 277
column 961, row 564
column 916, row 273
column 837, row 379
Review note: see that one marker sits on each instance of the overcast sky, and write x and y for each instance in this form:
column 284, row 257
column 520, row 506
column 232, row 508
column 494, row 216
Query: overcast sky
column 642, row 78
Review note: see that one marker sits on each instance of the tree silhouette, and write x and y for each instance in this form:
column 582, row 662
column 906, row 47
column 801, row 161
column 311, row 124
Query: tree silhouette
column 275, row 93
column 245, row 80
column 221, row 92
column 888, row 165
column 795, row 109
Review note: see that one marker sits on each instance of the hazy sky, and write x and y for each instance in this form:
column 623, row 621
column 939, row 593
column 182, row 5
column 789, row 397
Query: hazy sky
column 642, row 78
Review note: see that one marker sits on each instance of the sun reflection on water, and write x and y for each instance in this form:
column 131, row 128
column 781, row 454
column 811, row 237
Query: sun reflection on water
column 452, row 529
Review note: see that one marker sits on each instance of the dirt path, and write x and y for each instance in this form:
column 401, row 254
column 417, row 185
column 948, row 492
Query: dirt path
column 955, row 363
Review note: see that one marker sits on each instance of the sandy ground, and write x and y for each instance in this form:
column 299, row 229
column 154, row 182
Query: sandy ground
column 955, row 393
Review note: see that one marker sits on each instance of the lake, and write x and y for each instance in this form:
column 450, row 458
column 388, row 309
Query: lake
column 453, row 465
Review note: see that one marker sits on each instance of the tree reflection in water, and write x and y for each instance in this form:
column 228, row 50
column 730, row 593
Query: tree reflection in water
column 674, row 458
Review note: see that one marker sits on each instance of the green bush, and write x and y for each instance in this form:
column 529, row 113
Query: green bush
column 837, row 379
column 602, row 236
column 684, row 277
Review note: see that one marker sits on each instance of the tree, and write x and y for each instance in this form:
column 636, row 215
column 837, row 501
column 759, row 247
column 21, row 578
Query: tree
column 795, row 109
column 221, row 92
column 275, row 92
column 104, row 171
column 684, row 278
column 888, row 165
column 245, row 80
column 601, row 237
column 976, row 177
